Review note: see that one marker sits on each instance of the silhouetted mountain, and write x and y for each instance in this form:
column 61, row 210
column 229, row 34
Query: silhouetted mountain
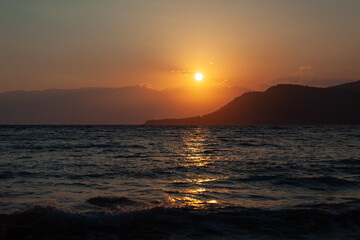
column 284, row 104
column 127, row 105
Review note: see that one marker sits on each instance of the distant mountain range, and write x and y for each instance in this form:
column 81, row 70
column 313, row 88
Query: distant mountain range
column 127, row 105
column 284, row 104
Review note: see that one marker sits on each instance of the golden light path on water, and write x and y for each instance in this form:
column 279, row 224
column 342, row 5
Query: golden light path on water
column 200, row 188
column 195, row 154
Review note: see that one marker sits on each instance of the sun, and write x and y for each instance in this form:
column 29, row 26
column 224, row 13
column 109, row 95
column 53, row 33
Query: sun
column 198, row 77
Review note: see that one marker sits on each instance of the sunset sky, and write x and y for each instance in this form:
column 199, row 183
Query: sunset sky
column 163, row 43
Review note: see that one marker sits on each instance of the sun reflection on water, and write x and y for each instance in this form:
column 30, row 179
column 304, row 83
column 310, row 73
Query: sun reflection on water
column 192, row 202
column 197, row 150
column 197, row 153
column 198, row 180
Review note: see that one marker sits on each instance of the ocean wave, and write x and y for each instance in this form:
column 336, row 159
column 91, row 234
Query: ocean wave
column 318, row 183
column 303, row 222
column 113, row 201
column 14, row 174
column 314, row 183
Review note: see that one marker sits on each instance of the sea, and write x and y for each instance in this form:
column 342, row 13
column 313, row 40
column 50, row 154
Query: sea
column 180, row 182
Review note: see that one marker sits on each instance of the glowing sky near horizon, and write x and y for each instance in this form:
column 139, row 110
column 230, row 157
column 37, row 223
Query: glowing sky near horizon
column 161, row 43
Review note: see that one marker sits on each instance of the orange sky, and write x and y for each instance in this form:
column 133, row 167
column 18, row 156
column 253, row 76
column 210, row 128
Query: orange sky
column 161, row 44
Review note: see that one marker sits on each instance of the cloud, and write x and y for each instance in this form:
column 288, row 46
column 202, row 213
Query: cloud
column 147, row 85
column 303, row 71
column 184, row 72
column 302, row 68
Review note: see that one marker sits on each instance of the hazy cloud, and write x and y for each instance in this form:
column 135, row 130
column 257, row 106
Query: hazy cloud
column 185, row 72
column 308, row 67
column 147, row 85
column 303, row 71
column 225, row 82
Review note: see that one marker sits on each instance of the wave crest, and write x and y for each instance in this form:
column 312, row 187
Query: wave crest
column 112, row 201
column 182, row 223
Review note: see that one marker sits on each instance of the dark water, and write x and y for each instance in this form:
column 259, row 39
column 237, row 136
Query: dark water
column 135, row 182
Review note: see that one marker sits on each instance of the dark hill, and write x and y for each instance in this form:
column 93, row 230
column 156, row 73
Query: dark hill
column 284, row 105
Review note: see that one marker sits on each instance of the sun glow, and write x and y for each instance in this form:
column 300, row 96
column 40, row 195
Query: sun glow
column 198, row 77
